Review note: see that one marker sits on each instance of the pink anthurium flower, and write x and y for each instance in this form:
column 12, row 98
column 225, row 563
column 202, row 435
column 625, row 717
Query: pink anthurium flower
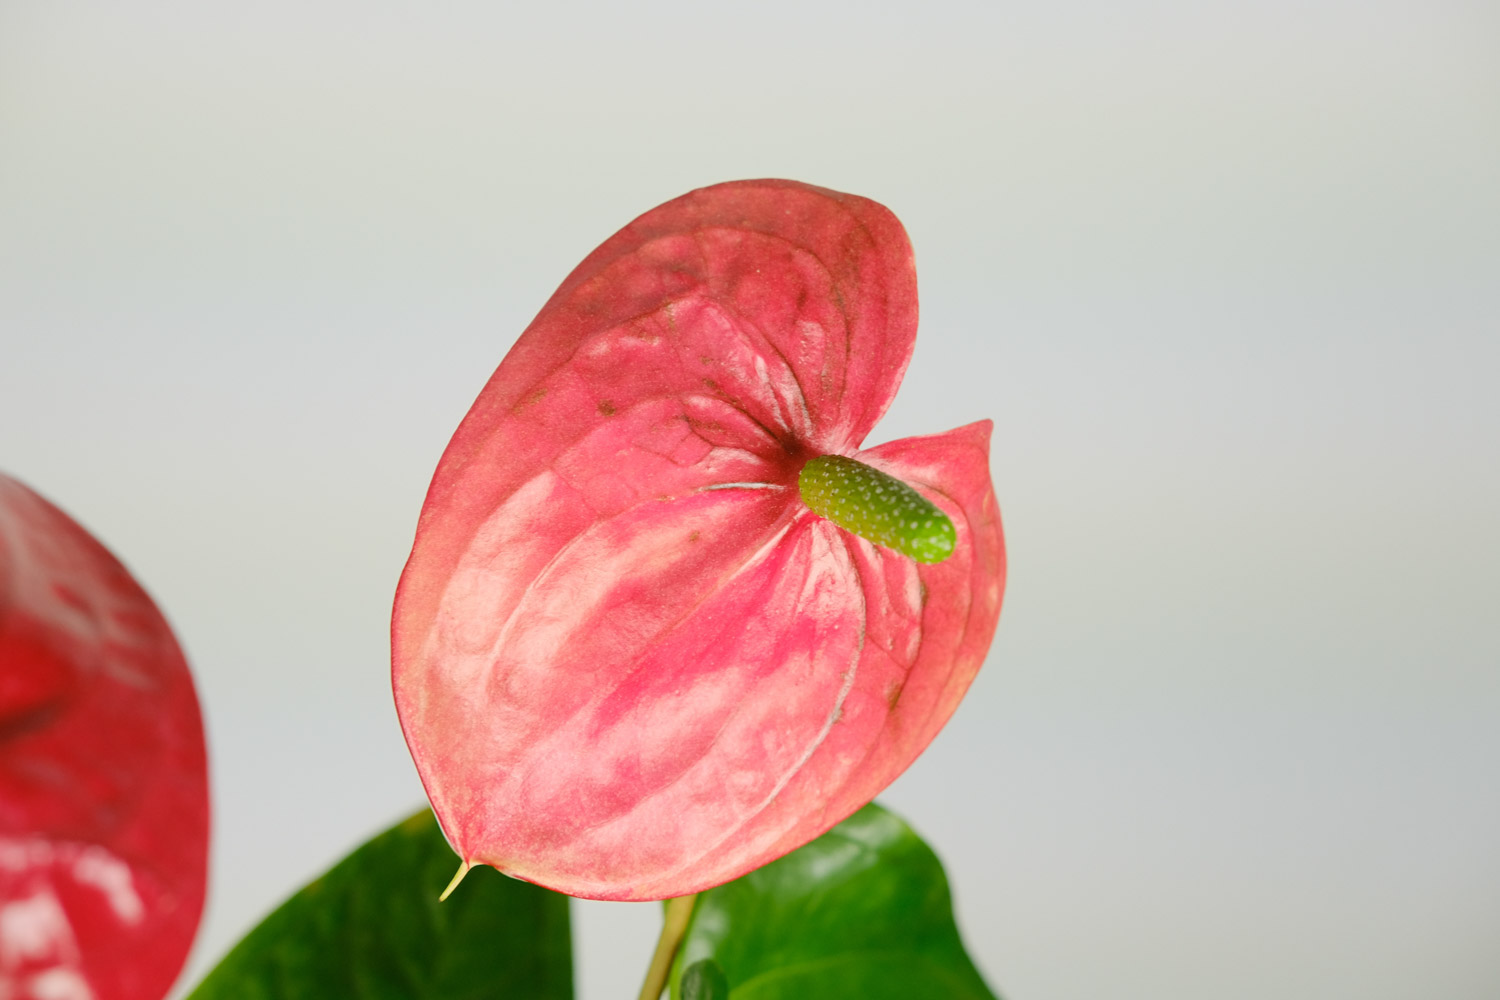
column 103, row 777
column 664, row 621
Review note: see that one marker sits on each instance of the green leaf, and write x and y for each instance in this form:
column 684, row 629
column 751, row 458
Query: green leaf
column 372, row 929
column 862, row 912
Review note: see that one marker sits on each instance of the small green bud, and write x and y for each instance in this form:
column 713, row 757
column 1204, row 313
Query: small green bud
column 877, row 507
column 705, row 980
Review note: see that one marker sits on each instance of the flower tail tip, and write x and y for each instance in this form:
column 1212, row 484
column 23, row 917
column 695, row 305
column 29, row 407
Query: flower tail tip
column 463, row 869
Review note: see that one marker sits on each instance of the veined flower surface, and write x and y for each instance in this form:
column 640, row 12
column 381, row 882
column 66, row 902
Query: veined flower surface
column 630, row 661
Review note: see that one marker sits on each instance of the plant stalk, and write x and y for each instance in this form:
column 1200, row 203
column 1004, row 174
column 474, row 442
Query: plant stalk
column 673, row 927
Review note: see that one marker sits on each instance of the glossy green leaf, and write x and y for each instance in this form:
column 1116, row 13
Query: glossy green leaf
column 862, row 912
column 372, row 929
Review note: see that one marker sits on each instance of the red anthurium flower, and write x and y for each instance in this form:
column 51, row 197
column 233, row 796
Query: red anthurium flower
column 103, row 782
column 664, row 621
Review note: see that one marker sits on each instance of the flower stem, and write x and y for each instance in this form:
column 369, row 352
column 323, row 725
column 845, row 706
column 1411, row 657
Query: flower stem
column 673, row 927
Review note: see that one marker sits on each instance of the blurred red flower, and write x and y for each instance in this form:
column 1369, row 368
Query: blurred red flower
column 103, row 776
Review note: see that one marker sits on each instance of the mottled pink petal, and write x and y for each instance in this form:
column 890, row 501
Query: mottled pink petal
column 629, row 661
column 103, row 779
column 779, row 316
column 928, row 628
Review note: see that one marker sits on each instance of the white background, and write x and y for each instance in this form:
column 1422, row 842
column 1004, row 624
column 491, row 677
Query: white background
column 1226, row 276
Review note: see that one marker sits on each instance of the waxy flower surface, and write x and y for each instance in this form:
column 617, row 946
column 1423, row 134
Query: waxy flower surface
column 664, row 620
column 103, row 777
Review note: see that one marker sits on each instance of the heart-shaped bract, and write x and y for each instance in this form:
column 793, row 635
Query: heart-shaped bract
column 103, row 777
column 630, row 661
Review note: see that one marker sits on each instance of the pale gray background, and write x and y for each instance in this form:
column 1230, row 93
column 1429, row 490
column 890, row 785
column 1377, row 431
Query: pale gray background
column 1226, row 276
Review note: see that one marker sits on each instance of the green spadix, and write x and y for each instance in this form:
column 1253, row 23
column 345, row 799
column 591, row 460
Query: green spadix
column 877, row 507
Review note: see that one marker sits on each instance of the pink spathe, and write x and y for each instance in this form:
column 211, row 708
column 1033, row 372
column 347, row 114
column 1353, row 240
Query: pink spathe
column 630, row 663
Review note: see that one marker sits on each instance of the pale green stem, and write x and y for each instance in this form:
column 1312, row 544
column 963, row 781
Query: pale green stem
column 673, row 927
